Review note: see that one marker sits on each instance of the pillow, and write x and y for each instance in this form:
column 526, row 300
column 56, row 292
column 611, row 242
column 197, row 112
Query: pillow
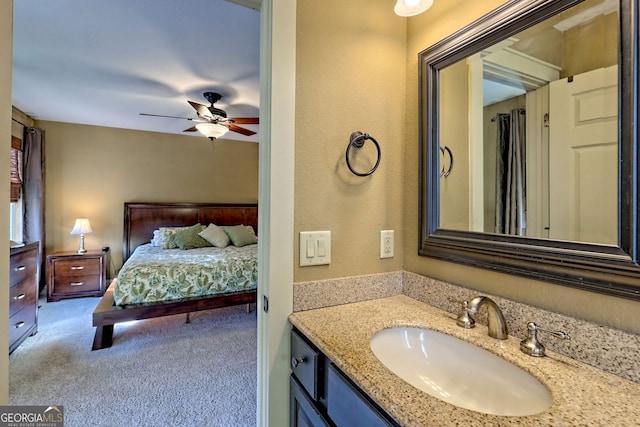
column 155, row 241
column 189, row 238
column 252, row 231
column 240, row 236
column 165, row 235
column 215, row 235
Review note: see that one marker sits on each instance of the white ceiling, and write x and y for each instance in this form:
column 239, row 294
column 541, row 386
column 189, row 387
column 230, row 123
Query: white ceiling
column 104, row 62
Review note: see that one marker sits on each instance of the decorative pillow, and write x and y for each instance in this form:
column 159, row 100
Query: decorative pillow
column 252, row 231
column 189, row 238
column 240, row 236
column 215, row 235
column 165, row 236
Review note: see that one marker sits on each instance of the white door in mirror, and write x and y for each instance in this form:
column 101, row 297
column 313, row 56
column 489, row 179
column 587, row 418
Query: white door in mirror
column 583, row 160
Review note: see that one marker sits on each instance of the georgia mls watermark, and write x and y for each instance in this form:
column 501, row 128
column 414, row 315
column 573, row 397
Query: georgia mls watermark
column 31, row 416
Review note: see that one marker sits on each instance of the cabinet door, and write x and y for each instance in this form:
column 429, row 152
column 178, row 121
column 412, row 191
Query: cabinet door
column 348, row 407
column 303, row 411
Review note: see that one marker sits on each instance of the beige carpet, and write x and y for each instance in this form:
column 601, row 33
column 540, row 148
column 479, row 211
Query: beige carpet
column 159, row 372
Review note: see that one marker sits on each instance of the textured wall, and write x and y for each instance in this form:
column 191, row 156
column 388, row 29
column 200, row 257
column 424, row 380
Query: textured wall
column 350, row 77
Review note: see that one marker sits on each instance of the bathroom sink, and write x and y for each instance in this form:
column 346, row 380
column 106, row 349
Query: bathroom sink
column 459, row 373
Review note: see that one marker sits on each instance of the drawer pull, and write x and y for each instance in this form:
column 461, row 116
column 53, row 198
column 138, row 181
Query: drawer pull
column 21, row 268
column 77, row 267
column 295, row 361
column 18, row 297
column 76, row 283
column 19, row 325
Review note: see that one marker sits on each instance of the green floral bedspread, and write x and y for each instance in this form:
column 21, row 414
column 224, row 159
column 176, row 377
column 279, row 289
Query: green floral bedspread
column 154, row 274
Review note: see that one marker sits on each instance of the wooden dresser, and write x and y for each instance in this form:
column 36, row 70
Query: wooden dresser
column 76, row 275
column 23, row 294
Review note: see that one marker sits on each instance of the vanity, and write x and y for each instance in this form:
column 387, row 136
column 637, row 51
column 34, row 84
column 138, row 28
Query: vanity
column 341, row 334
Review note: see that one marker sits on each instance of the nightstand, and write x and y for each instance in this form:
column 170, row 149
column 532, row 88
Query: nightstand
column 76, row 275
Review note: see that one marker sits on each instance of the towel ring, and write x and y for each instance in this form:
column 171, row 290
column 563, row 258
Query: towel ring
column 447, row 150
column 357, row 139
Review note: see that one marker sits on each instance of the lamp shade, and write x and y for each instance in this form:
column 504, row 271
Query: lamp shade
column 81, row 226
column 411, row 7
column 212, row 130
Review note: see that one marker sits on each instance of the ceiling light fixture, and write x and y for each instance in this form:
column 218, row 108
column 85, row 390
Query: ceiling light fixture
column 411, row 7
column 212, row 130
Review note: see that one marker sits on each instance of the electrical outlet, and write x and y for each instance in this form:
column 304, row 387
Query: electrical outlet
column 386, row 243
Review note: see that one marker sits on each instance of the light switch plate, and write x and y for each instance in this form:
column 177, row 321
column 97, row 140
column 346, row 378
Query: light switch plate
column 386, row 243
column 315, row 248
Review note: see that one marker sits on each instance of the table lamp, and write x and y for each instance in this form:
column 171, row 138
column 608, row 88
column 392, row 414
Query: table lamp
column 81, row 227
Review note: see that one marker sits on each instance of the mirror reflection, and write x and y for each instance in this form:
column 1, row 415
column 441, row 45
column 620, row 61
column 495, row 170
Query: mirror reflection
column 528, row 131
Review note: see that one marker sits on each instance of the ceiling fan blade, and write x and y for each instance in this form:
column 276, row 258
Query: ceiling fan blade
column 243, row 131
column 191, row 129
column 160, row 115
column 245, row 120
column 202, row 110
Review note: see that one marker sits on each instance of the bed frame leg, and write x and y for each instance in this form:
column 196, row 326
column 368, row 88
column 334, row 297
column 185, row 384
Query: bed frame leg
column 103, row 337
column 188, row 318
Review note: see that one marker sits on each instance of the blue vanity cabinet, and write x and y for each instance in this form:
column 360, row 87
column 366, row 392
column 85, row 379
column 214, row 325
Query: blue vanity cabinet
column 321, row 395
column 304, row 411
column 348, row 406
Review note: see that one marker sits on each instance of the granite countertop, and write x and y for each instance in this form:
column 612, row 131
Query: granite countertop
column 582, row 395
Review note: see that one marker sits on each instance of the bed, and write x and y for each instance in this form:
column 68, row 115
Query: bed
column 140, row 222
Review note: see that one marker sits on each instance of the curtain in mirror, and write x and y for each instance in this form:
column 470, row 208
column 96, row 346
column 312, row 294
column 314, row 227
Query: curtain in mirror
column 510, row 173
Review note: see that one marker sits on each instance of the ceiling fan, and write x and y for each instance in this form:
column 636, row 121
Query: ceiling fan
column 212, row 121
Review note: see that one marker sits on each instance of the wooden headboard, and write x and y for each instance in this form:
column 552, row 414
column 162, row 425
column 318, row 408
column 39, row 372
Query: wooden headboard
column 140, row 219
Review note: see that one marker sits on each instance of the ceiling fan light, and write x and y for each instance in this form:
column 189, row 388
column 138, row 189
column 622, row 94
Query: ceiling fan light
column 212, row 130
column 411, row 7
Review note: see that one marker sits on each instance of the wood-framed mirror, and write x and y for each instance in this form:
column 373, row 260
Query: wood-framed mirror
column 515, row 202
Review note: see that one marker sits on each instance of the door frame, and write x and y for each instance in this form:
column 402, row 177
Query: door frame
column 275, row 200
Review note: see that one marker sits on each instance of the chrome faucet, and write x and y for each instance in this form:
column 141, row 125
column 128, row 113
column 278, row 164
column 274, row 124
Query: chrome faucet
column 463, row 320
column 496, row 322
column 532, row 346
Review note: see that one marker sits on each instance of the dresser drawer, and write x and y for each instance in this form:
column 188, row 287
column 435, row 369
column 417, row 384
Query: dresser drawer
column 22, row 266
column 22, row 295
column 77, row 267
column 305, row 365
column 21, row 322
column 72, row 284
